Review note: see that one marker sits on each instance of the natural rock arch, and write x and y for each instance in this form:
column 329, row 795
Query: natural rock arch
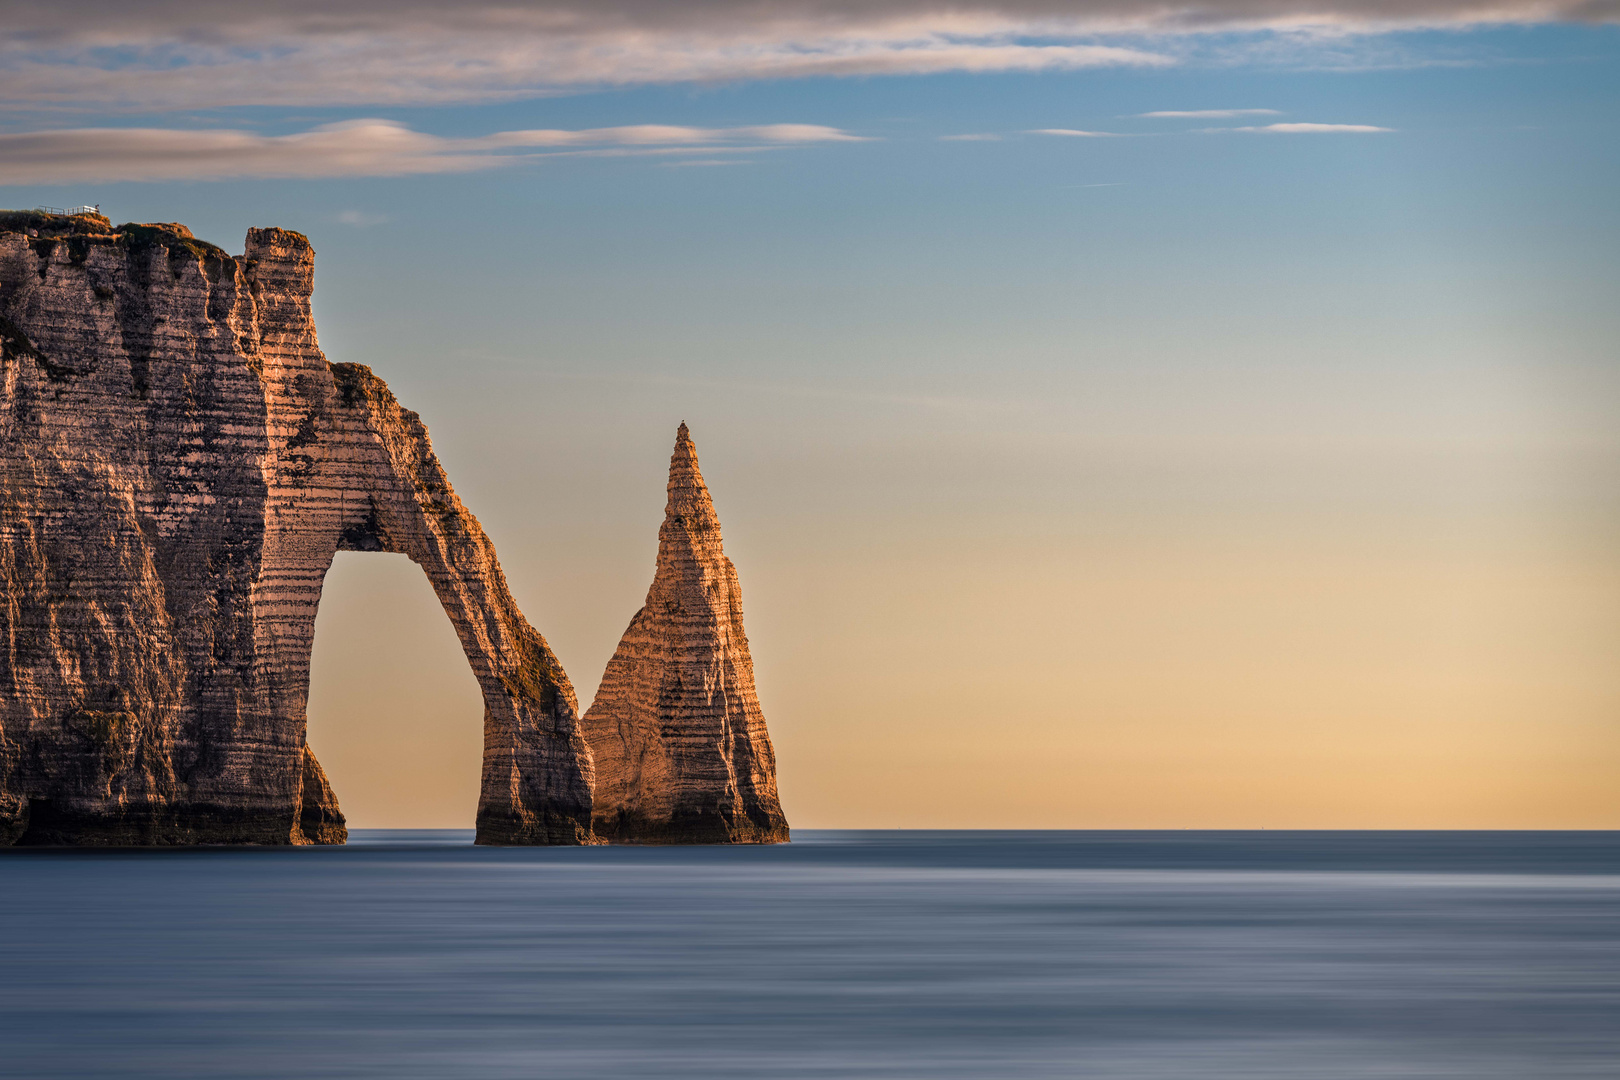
column 180, row 465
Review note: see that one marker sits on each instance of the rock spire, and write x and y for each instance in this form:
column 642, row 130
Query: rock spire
column 679, row 741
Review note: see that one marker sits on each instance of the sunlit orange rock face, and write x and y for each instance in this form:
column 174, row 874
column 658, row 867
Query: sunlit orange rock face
column 178, row 465
column 679, row 741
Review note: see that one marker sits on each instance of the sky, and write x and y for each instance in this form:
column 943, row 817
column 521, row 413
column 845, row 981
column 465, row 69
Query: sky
column 1120, row 416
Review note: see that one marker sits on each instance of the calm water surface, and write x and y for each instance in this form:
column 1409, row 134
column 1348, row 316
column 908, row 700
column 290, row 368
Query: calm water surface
column 1315, row 956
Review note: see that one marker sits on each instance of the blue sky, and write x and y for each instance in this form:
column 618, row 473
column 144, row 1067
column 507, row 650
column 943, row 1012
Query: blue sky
column 1190, row 462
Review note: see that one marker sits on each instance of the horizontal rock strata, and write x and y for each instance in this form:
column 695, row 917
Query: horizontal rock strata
column 676, row 731
column 178, row 465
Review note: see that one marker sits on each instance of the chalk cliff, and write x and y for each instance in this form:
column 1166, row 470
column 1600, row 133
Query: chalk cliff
column 676, row 731
column 178, row 465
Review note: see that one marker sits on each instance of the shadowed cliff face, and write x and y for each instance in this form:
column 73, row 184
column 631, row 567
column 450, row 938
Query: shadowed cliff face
column 178, row 465
column 676, row 731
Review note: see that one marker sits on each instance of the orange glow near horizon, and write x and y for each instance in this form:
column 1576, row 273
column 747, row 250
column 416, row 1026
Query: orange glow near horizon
column 1281, row 681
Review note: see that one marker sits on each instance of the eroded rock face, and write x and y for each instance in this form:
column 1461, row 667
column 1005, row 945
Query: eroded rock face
column 676, row 731
column 178, row 465
column 319, row 819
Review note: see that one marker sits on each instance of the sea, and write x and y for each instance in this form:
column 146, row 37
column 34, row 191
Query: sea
column 939, row 955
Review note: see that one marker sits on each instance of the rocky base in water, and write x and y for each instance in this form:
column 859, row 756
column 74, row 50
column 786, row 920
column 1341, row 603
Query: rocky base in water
column 179, row 463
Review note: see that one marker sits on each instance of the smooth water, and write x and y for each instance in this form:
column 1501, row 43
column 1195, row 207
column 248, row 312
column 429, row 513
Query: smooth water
column 1314, row 956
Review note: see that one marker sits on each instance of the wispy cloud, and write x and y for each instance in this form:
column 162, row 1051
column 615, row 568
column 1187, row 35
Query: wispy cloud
column 1307, row 129
column 1074, row 133
column 361, row 219
column 1206, row 114
column 352, row 148
column 179, row 54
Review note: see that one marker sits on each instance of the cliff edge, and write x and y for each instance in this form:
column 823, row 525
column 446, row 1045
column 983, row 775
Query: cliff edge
column 178, row 465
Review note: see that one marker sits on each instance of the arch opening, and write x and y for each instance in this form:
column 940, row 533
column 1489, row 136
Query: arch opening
column 395, row 715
